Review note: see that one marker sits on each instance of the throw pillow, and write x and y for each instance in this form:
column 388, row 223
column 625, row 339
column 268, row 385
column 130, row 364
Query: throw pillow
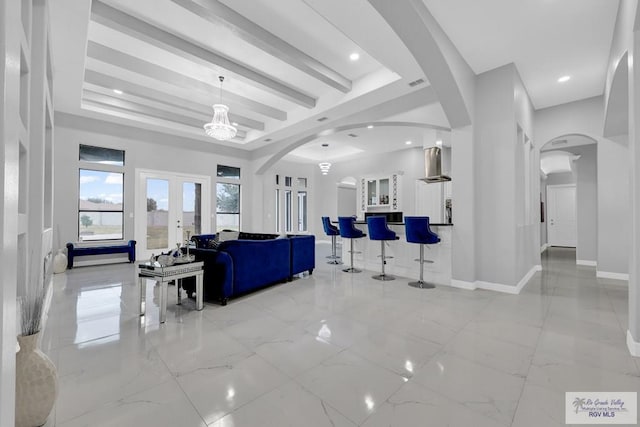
column 223, row 236
column 213, row 243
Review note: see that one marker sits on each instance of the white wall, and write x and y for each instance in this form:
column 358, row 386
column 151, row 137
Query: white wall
column 587, row 202
column 614, row 209
column 495, row 177
column 580, row 117
column 634, row 156
column 138, row 154
column 527, row 157
column 410, row 161
column 10, row 31
column 347, row 202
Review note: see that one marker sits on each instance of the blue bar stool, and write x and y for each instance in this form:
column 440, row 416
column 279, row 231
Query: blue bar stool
column 417, row 231
column 378, row 230
column 349, row 231
column 331, row 230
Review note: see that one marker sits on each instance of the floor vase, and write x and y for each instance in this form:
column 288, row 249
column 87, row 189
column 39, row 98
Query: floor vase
column 36, row 383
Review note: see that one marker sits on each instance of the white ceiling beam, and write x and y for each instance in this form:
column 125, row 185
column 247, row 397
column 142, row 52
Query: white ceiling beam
column 415, row 26
column 134, row 27
column 407, row 102
column 139, row 66
column 128, row 106
column 109, row 82
column 104, row 125
column 219, row 14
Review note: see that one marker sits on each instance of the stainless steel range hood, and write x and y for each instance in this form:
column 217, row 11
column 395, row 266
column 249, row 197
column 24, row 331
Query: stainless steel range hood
column 434, row 171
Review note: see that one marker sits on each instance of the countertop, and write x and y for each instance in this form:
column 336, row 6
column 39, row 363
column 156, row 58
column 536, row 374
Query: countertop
column 434, row 224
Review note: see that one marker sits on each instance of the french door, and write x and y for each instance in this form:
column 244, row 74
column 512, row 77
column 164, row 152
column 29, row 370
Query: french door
column 169, row 209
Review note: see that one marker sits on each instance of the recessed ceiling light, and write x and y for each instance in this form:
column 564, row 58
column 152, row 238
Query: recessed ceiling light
column 408, row 142
column 370, row 127
column 118, row 91
column 354, row 56
column 564, row 79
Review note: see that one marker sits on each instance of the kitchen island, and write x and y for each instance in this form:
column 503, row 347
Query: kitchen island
column 404, row 254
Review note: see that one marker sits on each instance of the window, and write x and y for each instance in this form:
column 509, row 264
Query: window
column 100, row 155
column 288, row 220
column 302, row 210
column 100, row 205
column 228, row 206
column 228, row 172
column 292, row 202
column 277, row 210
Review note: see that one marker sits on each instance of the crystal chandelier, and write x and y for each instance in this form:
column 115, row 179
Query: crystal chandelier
column 220, row 128
column 324, row 167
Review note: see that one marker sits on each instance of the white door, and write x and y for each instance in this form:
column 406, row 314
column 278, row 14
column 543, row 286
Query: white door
column 169, row 209
column 561, row 210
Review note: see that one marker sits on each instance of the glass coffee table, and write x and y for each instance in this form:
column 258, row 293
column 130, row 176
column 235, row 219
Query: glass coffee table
column 165, row 274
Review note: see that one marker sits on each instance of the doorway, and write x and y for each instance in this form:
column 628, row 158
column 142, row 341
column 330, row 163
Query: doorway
column 562, row 227
column 169, row 209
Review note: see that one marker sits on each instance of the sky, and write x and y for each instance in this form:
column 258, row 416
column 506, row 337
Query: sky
column 108, row 186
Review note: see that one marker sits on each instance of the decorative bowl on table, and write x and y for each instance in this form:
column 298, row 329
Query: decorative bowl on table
column 184, row 259
column 166, row 260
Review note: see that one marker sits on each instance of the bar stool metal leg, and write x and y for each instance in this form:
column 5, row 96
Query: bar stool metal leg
column 352, row 269
column 383, row 276
column 421, row 283
column 335, row 260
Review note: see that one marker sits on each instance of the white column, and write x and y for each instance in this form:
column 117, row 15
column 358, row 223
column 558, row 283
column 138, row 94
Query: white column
column 633, row 336
column 10, row 31
column 463, row 251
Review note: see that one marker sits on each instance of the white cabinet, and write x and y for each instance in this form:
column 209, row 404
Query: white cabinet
column 379, row 194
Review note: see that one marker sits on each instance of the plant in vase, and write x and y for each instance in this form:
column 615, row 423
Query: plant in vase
column 36, row 379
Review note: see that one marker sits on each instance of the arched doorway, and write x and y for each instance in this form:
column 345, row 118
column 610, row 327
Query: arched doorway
column 568, row 195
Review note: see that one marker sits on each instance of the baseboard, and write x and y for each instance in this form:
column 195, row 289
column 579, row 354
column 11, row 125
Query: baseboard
column 497, row 287
column 544, row 247
column 633, row 345
column 610, row 275
column 587, row 262
column 470, row 286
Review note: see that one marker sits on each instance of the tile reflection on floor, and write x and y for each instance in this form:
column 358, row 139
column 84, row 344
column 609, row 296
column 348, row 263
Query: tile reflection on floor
column 336, row 349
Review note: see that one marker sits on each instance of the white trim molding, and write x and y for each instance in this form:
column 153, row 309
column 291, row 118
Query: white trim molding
column 497, row 287
column 587, row 262
column 544, row 247
column 633, row 345
column 611, row 275
column 470, row 286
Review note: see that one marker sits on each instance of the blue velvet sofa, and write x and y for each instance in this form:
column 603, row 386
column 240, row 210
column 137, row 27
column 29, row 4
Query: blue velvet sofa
column 255, row 260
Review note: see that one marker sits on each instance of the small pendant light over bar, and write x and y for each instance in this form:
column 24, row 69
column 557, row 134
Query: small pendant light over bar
column 220, row 128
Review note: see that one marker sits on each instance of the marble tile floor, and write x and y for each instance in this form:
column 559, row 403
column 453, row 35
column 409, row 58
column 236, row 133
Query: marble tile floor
column 337, row 349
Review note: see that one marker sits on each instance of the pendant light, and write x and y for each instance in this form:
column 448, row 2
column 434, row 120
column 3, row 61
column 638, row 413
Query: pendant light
column 220, row 128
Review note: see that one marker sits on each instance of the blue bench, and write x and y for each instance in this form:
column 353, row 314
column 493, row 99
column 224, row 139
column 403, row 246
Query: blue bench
column 129, row 249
